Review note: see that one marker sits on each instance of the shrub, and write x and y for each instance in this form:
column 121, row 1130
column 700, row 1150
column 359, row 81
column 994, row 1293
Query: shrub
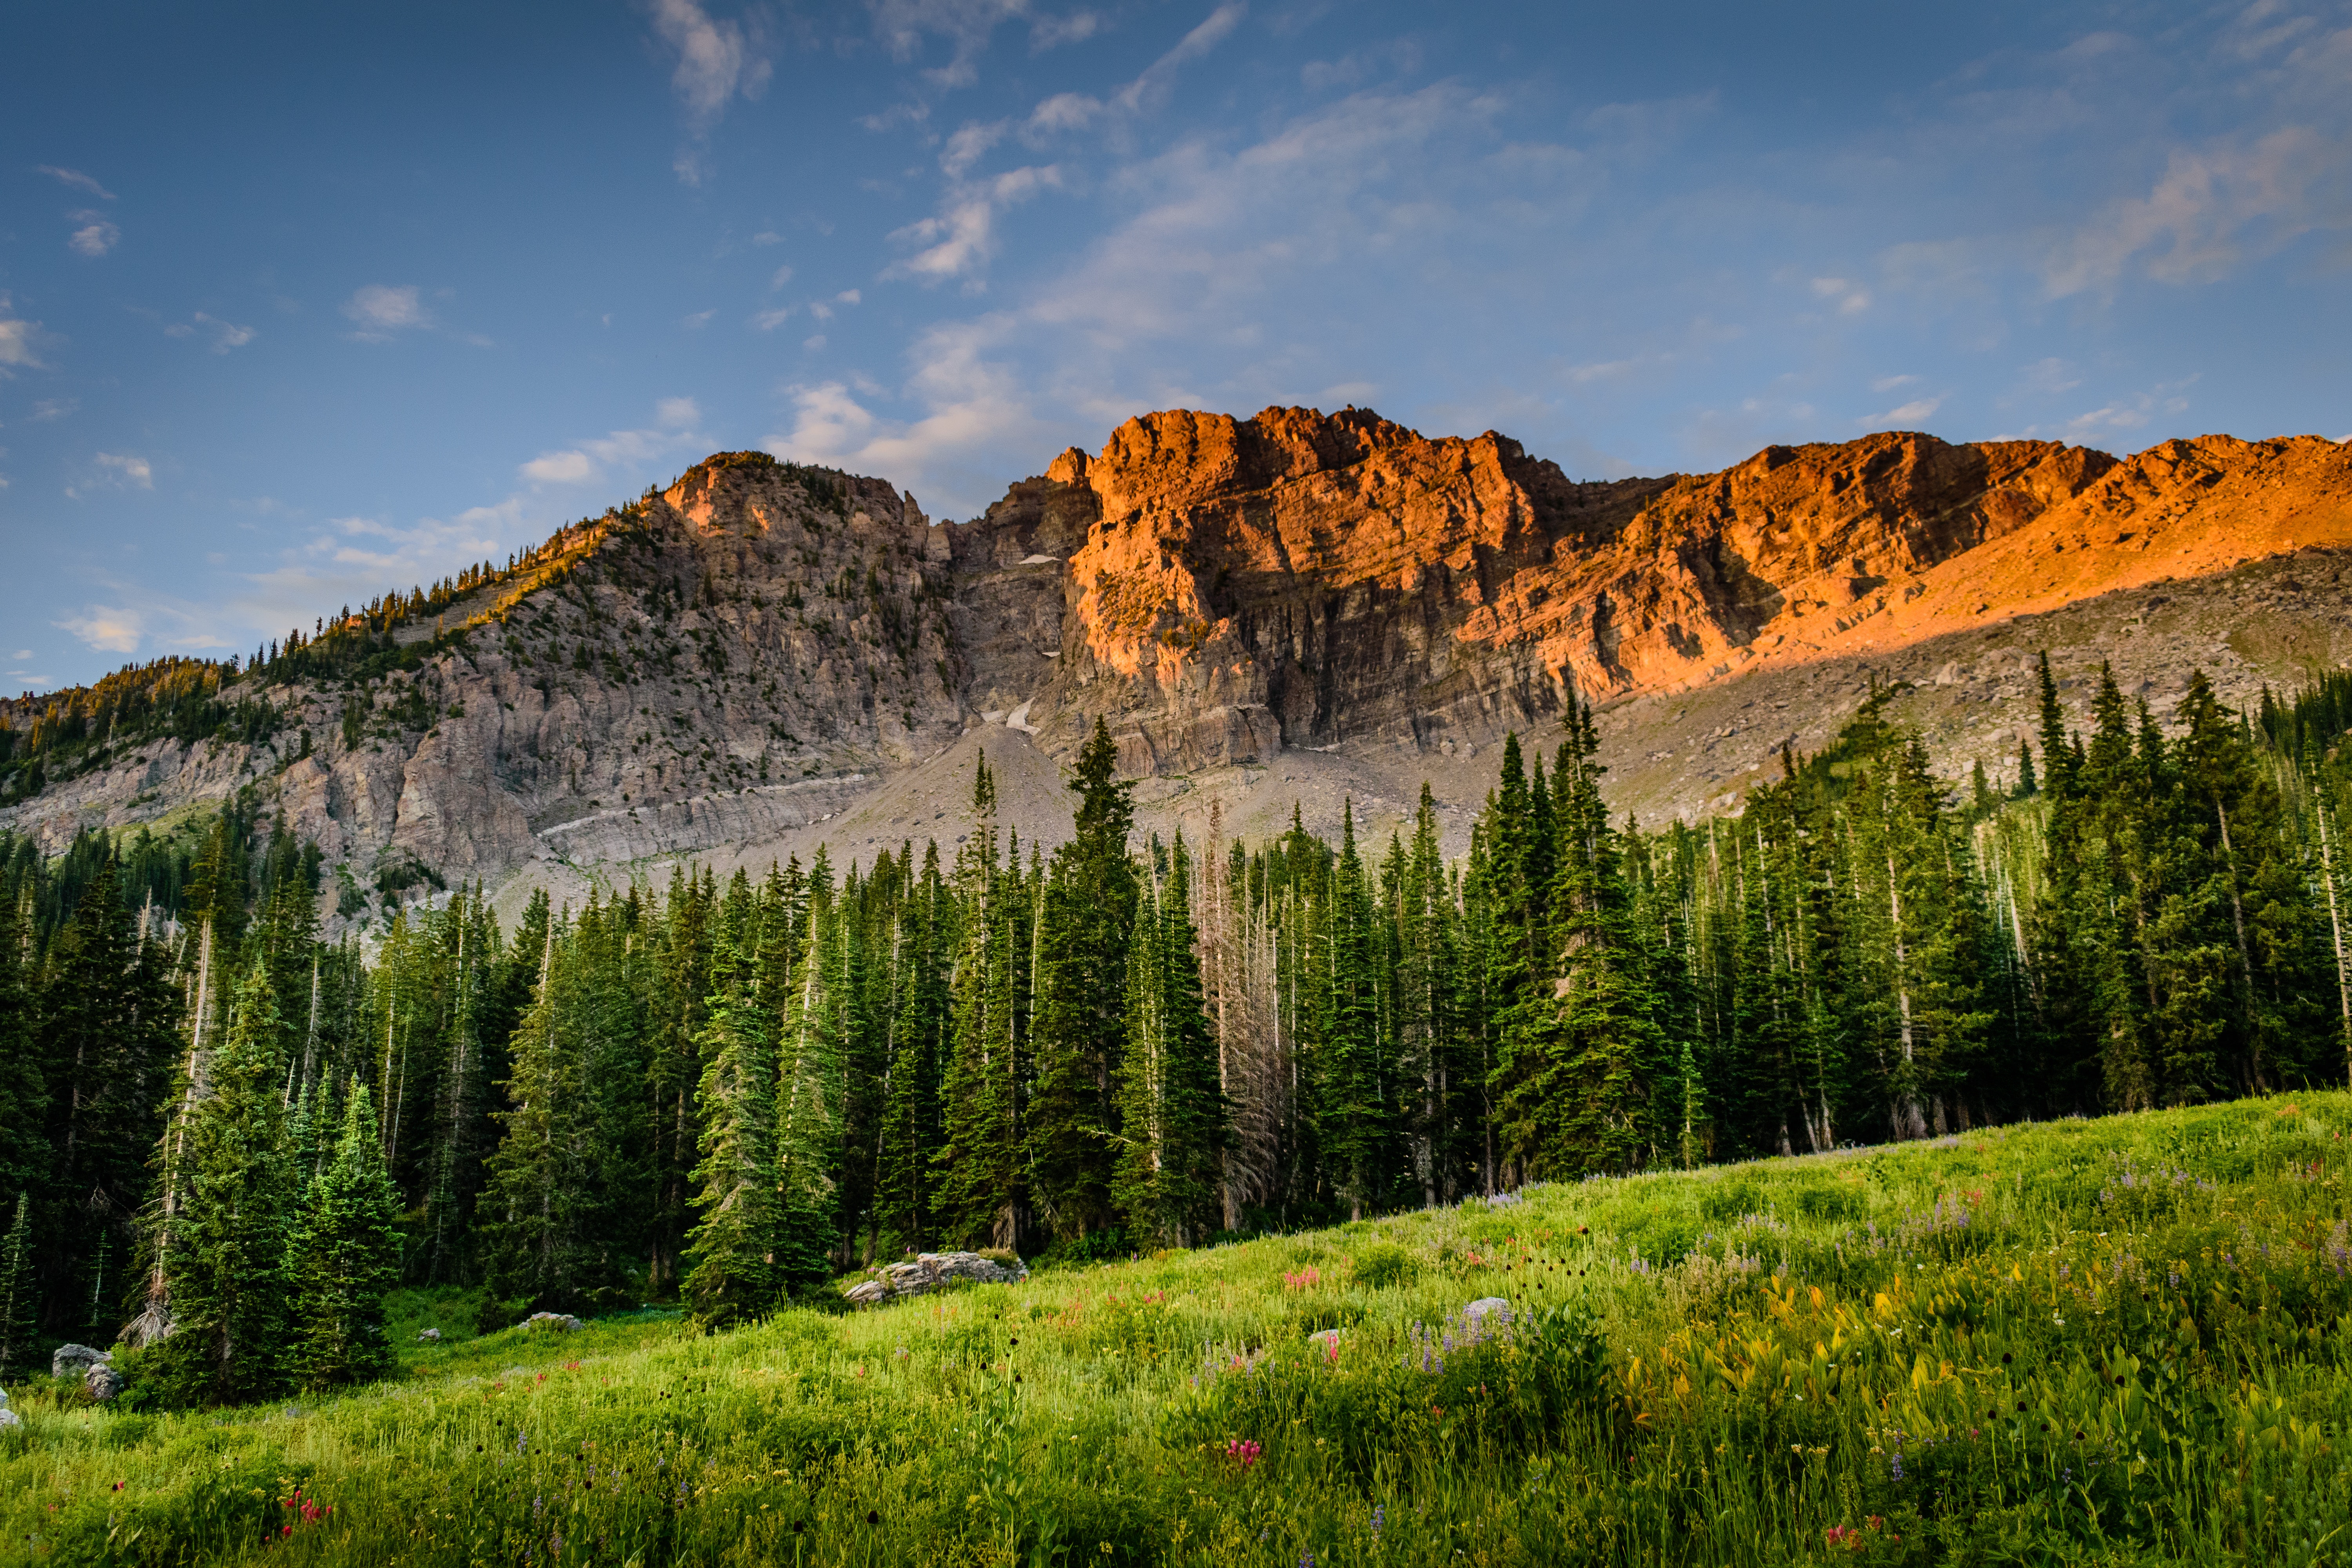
column 1384, row 1265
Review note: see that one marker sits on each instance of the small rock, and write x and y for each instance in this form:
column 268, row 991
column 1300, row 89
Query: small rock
column 1328, row 1338
column 553, row 1322
column 9, row 1418
column 102, row 1382
column 429, row 1336
column 71, row 1359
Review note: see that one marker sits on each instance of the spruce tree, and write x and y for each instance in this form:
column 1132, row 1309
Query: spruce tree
column 226, row 1271
column 814, row 1017
column 733, row 1244
column 1082, row 932
column 19, row 1319
column 344, row 1258
column 1171, row 1112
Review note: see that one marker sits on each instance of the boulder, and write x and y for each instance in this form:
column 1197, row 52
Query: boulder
column 553, row 1322
column 429, row 1336
column 9, row 1418
column 102, row 1382
column 930, row 1271
column 69, row 1360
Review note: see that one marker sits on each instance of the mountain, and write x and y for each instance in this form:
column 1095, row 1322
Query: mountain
column 1291, row 609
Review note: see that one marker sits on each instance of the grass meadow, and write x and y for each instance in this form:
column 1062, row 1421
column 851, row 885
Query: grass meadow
column 2110, row 1341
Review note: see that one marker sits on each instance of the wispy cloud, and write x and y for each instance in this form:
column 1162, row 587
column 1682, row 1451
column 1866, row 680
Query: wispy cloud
column 959, row 240
column 381, row 309
column 77, row 180
column 1909, row 413
column 112, row 628
column 17, row 337
column 225, row 335
column 97, row 235
column 675, row 419
column 127, row 469
column 973, row 409
column 55, row 408
column 717, row 61
column 2214, row 207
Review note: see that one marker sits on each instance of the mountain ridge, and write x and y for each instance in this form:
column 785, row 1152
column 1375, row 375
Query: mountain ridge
column 1327, row 605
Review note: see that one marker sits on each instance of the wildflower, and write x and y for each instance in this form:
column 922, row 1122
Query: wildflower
column 1380, row 1519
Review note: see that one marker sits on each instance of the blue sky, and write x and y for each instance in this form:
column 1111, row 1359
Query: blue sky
column 299, row 304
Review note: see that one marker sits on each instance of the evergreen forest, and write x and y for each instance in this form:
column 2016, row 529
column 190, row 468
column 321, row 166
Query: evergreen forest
column 224, row 1140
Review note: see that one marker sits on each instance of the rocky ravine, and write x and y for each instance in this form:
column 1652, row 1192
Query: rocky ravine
column 1294, row 607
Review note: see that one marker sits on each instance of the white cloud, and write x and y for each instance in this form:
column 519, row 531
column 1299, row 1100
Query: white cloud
column 1052, row 32
column 960, row 239
column 2214, row 207
column 1909, row 414
column 226, row 335
column 673, row 429
column 767, row 236
column 717, row 60
column 811, row 345
column 769, row 320
column 781, row 276
column 849, row 297
column 113, row 630
column 972, row 410
column 1850, row 298
column 698, row 320
column 77, row 180
column 902, row 25
column 55, row 408
column 121, row 468
column 1889, row 383
column 96, row 235
column 17, row 339
column 382, row 308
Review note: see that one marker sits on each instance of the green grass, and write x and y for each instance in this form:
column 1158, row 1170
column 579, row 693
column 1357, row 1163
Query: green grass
column 2121, row 1341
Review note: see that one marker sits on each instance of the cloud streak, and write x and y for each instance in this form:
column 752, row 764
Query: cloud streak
column 675, row 419
column 382, row 309
column 717, row 61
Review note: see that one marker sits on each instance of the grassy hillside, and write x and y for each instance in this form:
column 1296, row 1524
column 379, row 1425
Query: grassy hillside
column 2117, row 1340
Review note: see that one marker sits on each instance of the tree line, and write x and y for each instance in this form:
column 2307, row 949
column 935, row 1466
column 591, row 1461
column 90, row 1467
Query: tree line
column 725, row 1094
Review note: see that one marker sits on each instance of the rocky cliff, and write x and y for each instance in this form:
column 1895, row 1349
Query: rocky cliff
column 1290, row 607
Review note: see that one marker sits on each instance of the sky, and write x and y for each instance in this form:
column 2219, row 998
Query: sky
column 301, row 303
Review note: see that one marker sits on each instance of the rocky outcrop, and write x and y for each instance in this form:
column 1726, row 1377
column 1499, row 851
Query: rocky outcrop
column 930, row 1271
column 549, row 1323
column 1297, row 580
column 1318, row 602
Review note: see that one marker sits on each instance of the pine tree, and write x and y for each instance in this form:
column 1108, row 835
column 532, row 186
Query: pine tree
column 344, row 1259
column 982, row 1187
column 1354, row 1121
column 814, row 1019
column 733, row 1244
column 19, row 1319
column 1083, row 934
column 1171, row 1111
column 226, row 1267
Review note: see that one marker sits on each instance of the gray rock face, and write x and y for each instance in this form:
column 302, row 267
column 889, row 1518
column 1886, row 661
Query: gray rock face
column 549, row 1322
column 71, row 1359
column 102, row 1382
column 930, row 1271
